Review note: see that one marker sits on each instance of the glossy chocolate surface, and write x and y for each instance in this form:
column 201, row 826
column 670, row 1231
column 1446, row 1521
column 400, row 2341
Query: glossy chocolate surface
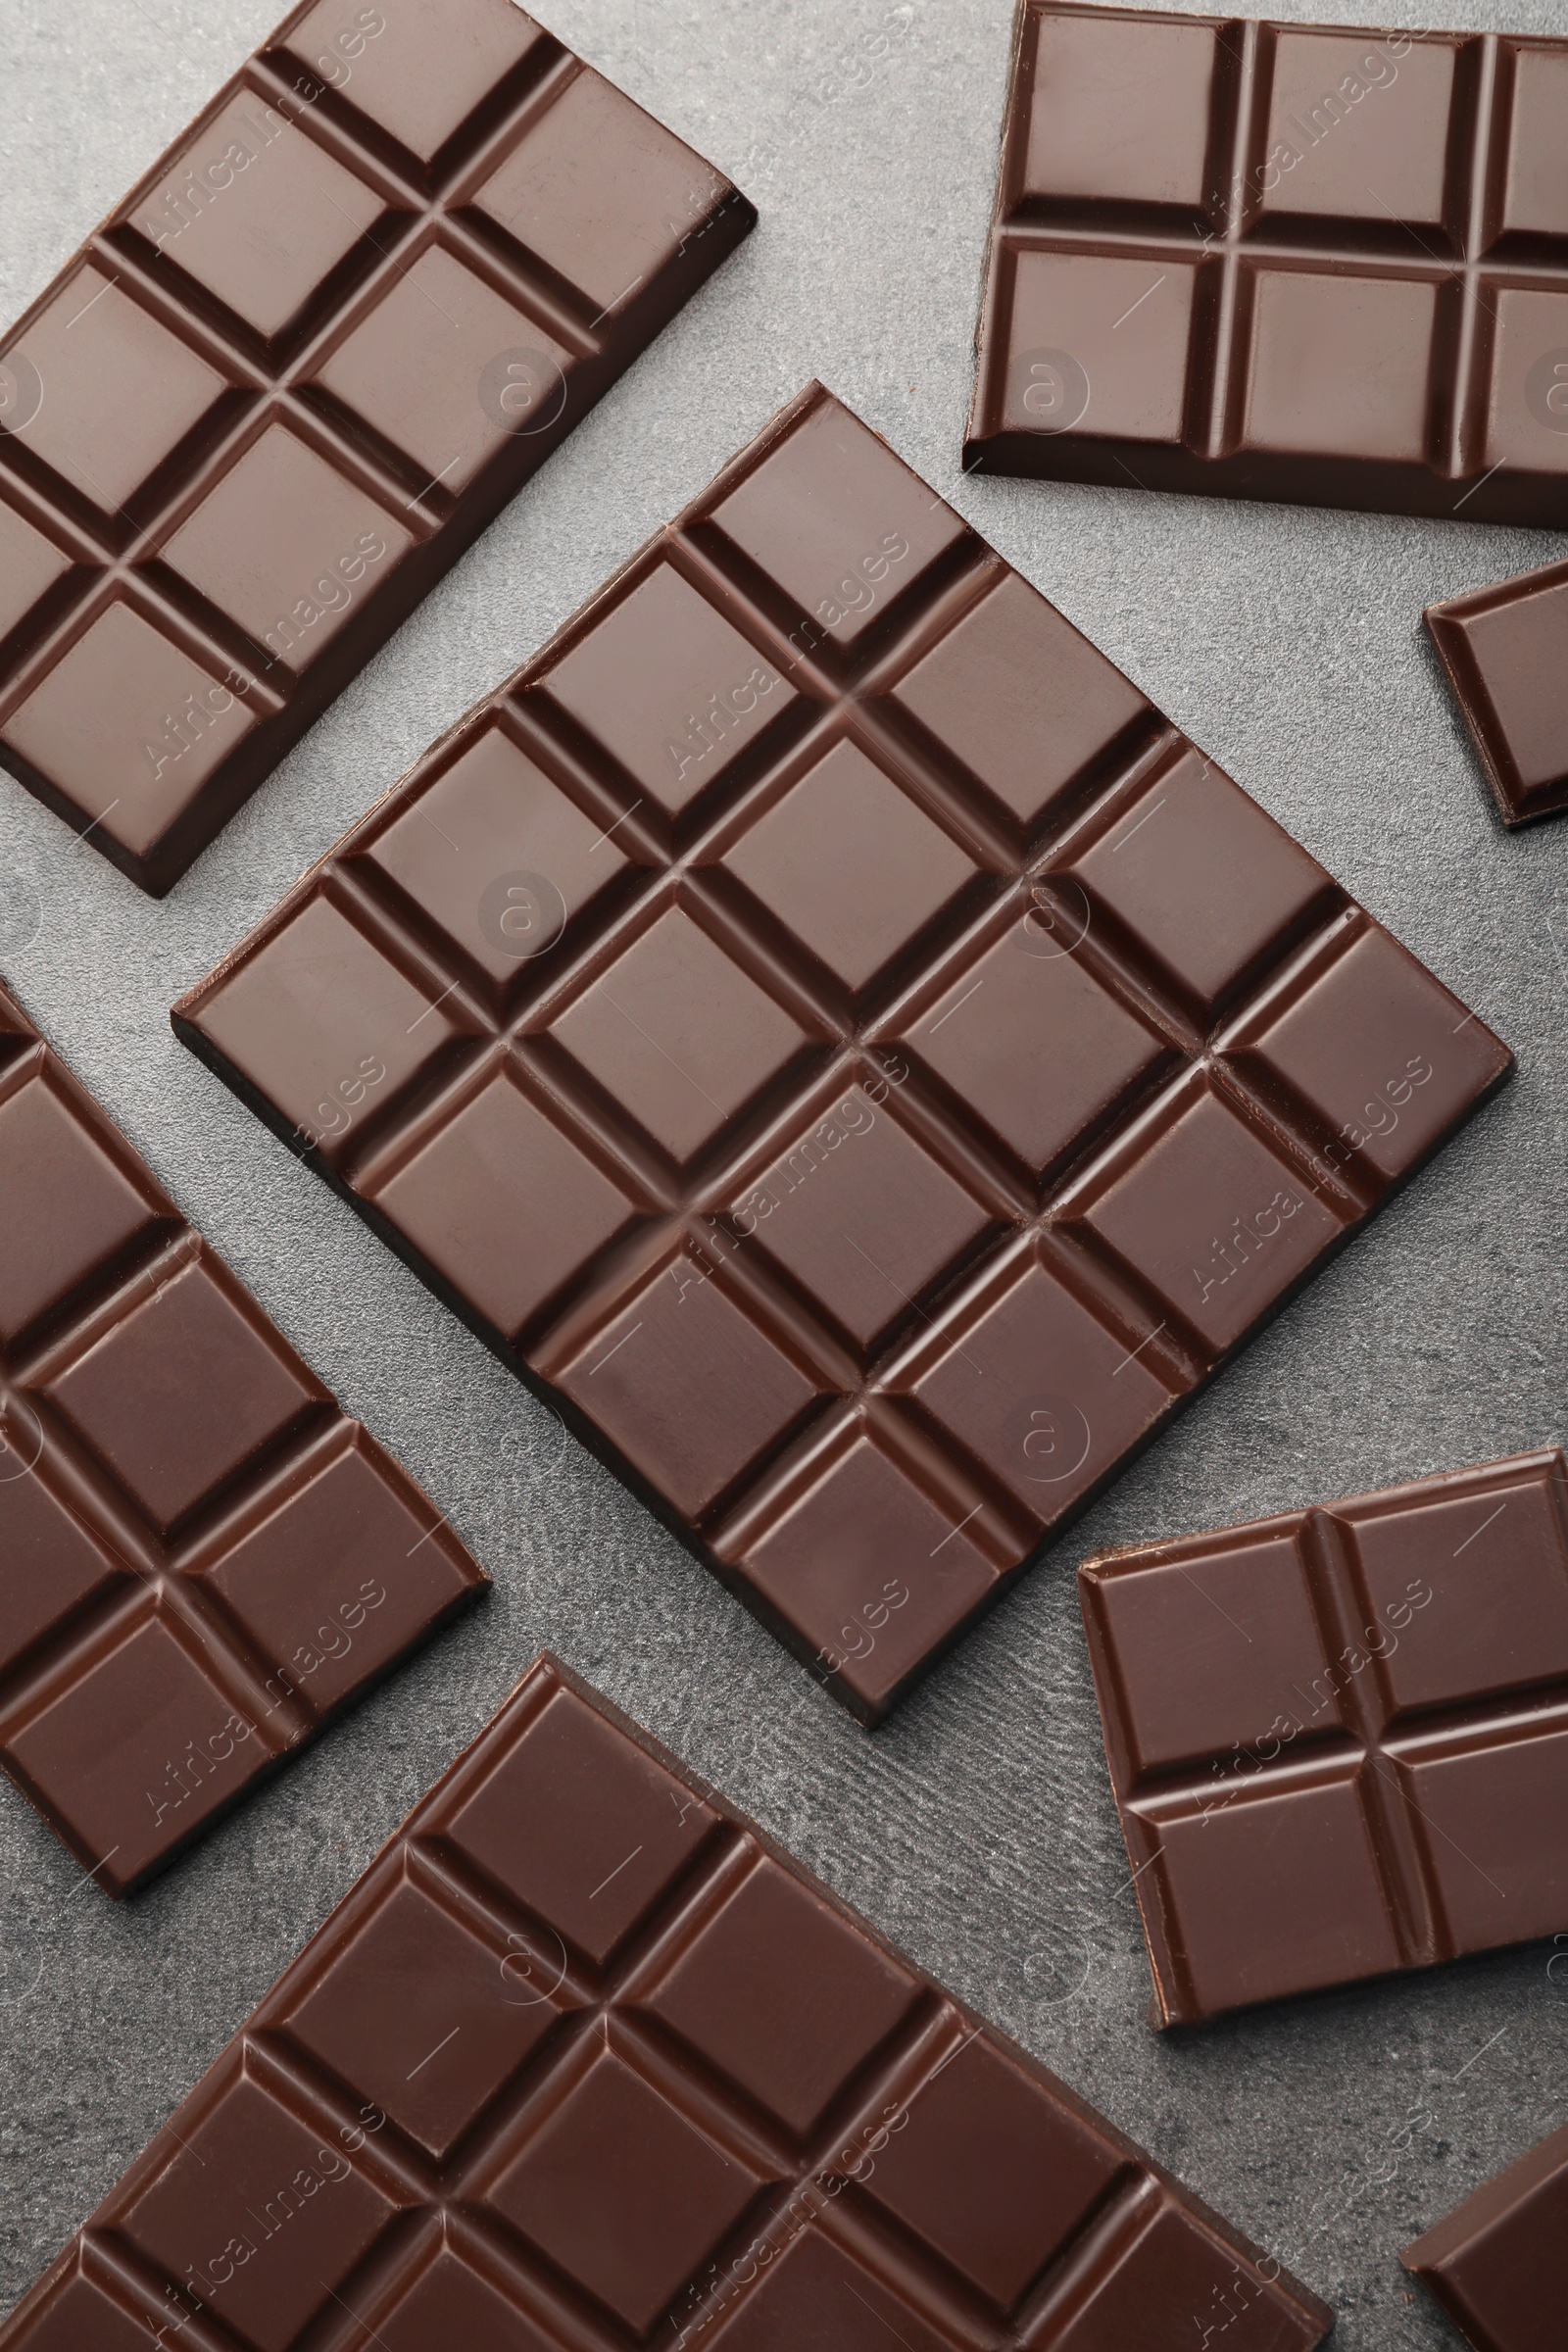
column 1505, row 650
column 1281, row 261
column 834, row 1037
column 585, row 2062
column 1339, row 1739
column 1499, row 2264
column 201, row 1561
column 294, row 375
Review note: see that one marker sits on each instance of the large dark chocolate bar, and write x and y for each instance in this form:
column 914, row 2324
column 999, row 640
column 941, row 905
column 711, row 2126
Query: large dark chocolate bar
column 584, row 2062
column 295, row 374
column 1498, row 2265
column 201, row 1561
column 844, row 1046
column 1505, row 650
column 1339, row 1739
column 1281, row 261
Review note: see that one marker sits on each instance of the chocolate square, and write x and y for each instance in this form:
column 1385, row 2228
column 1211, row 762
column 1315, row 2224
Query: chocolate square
column 258, row 212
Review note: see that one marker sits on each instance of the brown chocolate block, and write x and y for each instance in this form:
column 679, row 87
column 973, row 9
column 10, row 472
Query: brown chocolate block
column 1339, row 1739
column 1505, row 650
column 1498, row 2265
column 201, row 1561
column 295, row 374
column 585, row 2062
column 825, row 1030
column 1281, row 261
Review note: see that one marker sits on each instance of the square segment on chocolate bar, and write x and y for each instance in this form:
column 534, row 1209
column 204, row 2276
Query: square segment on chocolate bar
column 1505, row 650
column 1281, row 261
column 1498, row 2265
column 1362, row 1764
column 843, row 1047
column 585, row 2062
column 295, row 374
column 201, row 1561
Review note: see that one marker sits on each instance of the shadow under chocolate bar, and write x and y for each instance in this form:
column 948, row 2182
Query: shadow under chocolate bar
column 585, row 2061
column 295, row 375
column 1293, row 262
column 843, row 1047
column 1362, row 1766
column 201, row 1561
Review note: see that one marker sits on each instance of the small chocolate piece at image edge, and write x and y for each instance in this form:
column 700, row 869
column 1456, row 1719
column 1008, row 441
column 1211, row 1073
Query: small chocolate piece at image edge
column 1280, row 261
column 1505, row 650
column 295, row 374
column 1361, row 1766
column 1499, row 2264
column 201, row 1561
column 843, row 1047
column 585, row 2061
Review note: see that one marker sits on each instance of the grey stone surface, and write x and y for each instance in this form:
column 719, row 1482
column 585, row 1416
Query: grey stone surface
column 977, row 1828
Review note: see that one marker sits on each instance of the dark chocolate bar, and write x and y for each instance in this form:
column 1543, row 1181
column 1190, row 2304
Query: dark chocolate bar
column 201, row 1561
column 1281, row 261
column 295, row 375
column 1498, row 2265
column 585, row 2062
column 843, row 1045
column 1505, row 650
column 1339, row 1739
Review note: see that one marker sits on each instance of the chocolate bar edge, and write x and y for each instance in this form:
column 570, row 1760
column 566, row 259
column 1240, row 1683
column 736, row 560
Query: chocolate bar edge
column 1347, row 485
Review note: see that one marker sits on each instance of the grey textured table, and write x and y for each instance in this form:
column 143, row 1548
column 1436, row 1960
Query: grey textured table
column 977, row 1828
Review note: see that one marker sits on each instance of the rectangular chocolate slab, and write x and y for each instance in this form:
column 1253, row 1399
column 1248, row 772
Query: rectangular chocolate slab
column 843, row 1047
column 1498, row 2265
column 1505, row 650
column 1339, row 1739
column 1281, row 261
column 201, row 1561
column 295, row 375
column 583, row 2062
